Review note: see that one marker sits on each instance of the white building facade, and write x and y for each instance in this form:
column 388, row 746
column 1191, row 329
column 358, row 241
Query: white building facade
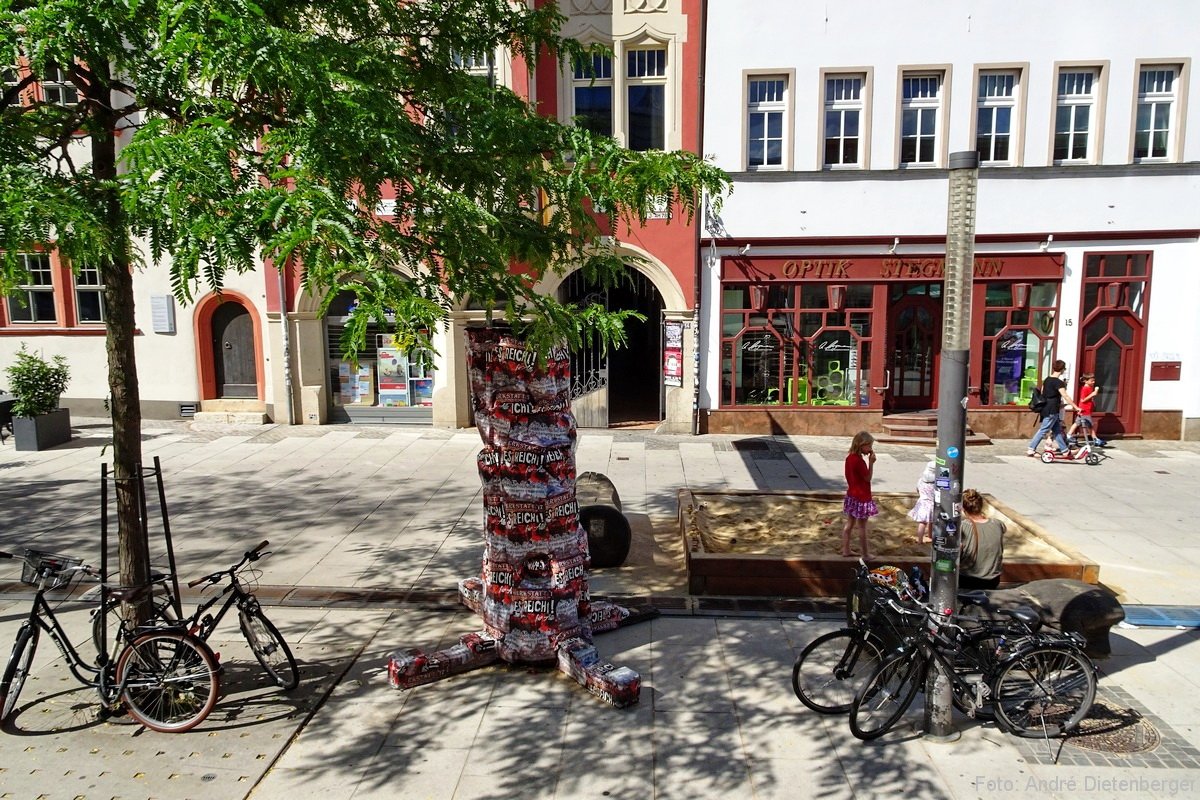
column 821, row 298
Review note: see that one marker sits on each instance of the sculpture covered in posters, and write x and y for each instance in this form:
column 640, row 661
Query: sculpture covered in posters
column 532, row 592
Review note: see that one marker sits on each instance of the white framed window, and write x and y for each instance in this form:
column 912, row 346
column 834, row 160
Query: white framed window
column 89, row 295
column 843, row 120
column 995, row 113
column 592, row 94
column 646, row 98
column 57, row 87
column 1153, row 136
column 34, row 302
column 920, row 109
column 10, row 76
column 766, row 119
column 1075, row 108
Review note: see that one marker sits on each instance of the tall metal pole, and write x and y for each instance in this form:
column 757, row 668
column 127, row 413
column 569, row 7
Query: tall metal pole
column 952, row 418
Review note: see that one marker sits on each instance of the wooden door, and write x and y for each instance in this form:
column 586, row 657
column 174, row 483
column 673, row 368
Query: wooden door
column 233, row 352
column 1116, row 306
column 914, row 339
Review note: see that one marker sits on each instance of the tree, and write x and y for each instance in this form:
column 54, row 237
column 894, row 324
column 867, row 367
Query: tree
column 216, row 135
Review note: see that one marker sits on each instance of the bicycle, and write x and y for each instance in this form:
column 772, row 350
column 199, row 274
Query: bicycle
column 831, row 668
column 1039, row 686
column 167, row 679
column 266, row 642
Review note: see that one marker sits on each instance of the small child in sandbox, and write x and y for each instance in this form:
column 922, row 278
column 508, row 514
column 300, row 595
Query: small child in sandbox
column 922, row 510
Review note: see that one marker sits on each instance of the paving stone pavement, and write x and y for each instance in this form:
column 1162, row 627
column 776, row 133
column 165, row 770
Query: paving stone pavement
column 370, row 528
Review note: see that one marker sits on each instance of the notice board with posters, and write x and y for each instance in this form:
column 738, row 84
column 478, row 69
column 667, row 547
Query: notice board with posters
column 673, row 353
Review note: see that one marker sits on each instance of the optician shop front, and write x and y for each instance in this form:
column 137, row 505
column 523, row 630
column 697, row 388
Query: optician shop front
column 829, row 345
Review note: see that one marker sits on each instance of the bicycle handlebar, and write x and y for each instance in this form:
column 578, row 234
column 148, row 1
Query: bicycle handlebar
column 251, row 555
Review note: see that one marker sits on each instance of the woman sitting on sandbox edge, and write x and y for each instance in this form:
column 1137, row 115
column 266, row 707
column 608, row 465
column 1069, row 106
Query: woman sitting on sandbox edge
column 981, row 552
column 859, row 506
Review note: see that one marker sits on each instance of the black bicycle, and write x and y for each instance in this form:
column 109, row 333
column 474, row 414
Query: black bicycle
column 832, row 668
column 167, row 678
column 265, row 640
column 1038, row 685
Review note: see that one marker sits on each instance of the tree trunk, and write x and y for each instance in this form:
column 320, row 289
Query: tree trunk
column 124, row 399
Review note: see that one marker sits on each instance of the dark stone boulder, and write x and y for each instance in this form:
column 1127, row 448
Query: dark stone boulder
column 1067, row 605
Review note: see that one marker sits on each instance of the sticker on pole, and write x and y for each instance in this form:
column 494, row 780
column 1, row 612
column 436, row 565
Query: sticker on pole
column 943, row 483
column 952, row 452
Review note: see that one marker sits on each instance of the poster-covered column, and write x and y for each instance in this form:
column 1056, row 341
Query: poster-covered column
column 532, row 592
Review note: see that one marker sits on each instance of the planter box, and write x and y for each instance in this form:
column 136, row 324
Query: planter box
column 44, row 431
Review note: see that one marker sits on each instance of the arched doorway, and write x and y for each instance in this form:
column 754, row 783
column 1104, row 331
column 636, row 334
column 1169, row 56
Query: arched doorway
column 235, row 366
column 622, row 386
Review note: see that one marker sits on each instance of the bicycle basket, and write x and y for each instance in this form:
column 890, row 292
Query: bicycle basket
column 54, row 566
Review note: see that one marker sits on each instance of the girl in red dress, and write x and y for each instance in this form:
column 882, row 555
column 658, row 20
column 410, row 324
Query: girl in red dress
column 859, row 506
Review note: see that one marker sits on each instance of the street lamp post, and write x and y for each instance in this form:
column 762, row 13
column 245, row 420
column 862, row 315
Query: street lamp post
column 952, row 418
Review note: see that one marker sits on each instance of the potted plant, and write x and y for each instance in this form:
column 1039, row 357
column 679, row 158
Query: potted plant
column 36, row 386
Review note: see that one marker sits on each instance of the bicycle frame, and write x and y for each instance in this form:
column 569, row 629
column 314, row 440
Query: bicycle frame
column 38, row 614
column 201, row 624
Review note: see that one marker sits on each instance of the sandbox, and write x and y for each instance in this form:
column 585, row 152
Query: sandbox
column 787, row 544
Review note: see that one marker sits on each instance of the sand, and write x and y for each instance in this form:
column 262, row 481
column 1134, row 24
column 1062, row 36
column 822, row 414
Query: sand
column 786, row 525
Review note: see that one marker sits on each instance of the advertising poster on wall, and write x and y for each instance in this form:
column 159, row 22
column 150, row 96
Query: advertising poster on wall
column 673, row 354
column 393, row 374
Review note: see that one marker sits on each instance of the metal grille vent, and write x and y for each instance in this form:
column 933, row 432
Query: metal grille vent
column 187, row 410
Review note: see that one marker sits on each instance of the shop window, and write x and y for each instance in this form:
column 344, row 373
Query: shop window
column 811, row 355
column 1018, row 340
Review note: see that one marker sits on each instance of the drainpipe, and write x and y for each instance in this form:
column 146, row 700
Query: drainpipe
column 287, row 347
column 700, row 226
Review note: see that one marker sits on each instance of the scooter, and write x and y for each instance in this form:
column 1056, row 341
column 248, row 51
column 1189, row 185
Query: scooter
column 1084, row 454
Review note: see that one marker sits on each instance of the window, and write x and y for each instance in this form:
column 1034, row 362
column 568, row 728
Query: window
column 34, row 302
column 593, row 93
column 478, row 64
column 800, row 344
column 767, row 104
column 57, row 87
column 9, row 78
column 1073, row 115
column 994, row 116
column 646, row 96
column 843, row 119
column 89, row 295
column 1018, row 340
column 920, row 103
column 1152, row 138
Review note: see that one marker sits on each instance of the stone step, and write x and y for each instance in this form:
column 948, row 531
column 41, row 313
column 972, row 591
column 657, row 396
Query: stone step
column 230, row 418
column 931, row 441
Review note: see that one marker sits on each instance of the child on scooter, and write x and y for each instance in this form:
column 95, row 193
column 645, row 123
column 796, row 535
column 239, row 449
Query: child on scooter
column 1084, row 405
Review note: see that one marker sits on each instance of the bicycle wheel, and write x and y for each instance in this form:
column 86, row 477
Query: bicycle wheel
column 17, row 669
column 1044, row 692
column 168, row 680
column 832, row 668
column 269, row 648
column 111, row 620
column 886, row 695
